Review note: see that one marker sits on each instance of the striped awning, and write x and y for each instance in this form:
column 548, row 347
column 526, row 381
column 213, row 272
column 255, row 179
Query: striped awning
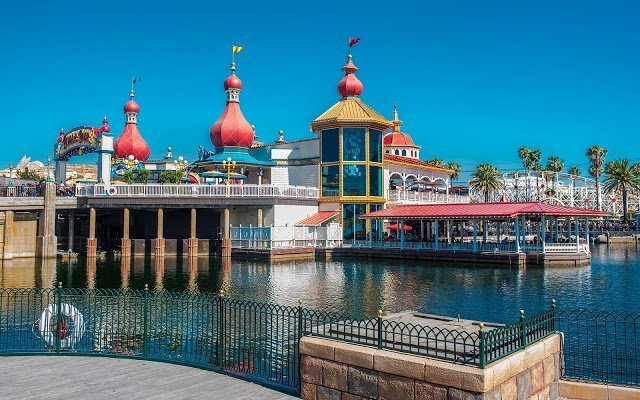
column 318, row 218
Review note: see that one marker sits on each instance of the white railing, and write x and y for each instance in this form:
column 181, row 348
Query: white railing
column 410, row 196
column 189, row 190
column 281, row 237
column 506, row 247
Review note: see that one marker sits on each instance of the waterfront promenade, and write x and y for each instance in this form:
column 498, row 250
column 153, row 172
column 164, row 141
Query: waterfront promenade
column 40, row 377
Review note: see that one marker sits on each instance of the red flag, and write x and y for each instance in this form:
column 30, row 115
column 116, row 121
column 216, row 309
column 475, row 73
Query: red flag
column 353, row 41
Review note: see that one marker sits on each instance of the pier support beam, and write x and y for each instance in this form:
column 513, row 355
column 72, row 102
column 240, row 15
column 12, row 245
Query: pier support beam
column 226, row 239
column 71, row 230
column 47, row 243
column 159, row 251
column 475, row 235
column 125, row 247
column 437, row 235
column 8, row 236
column 92, row 242
column 193, row 240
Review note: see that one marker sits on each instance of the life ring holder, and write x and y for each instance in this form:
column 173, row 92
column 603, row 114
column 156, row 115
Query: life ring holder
column 112, row 191
column 69, row 336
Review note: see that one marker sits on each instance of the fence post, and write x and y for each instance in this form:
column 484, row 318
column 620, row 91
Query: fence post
column 483, row 355
column 523, row 330
column 553, row 315
column 58, row 316
column 380, row 329
column 145, row 322
column 220, row 328
column 300, row 321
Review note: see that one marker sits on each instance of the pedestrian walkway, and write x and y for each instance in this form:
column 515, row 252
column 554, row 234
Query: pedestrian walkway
column 65, row 377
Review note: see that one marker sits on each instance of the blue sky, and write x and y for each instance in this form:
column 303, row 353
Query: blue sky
column 473, row 80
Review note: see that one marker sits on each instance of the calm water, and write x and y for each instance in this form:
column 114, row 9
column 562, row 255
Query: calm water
column 361, row 287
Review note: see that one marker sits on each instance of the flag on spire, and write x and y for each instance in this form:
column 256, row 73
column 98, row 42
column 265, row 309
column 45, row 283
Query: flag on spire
column 237, row 49
column 353, row 41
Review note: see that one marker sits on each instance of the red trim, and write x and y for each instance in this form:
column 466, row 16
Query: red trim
column 317, row 218
column 407, row 160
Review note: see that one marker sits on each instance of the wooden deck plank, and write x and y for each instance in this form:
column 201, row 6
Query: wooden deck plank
column 64, row 377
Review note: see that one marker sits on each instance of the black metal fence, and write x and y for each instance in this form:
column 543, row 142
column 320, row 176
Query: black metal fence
column 601, row 346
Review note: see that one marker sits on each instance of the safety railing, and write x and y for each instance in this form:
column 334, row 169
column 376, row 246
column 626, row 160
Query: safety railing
column 193, row 190
column 256, row 340
column 426, row 197
column 432, row 246
column 21, row 191
column 601, row 346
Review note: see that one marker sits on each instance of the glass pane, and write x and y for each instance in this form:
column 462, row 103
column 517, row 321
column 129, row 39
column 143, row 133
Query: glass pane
column 330, row 145
column 354, row 180
column 353, row 226
column 375, row 181
column 353, row 144
column 330, row 180
column 375, row 145
column 376, row 224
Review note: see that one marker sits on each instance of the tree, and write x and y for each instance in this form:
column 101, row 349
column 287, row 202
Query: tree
column 28, row 174
column 555, row 164
column 141, row 176
column 486, row 179
column 530, row 158
column 574, row 170
column 621, row 176
column 596, row 156
column 523, row 153
column 170, row 176
column 455, row 168
column 437, row 162
column 127, row 177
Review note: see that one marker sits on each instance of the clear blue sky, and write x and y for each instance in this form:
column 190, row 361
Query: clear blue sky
column 473, row 80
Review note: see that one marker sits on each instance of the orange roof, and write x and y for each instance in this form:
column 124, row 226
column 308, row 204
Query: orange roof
column 481, row 210
column 418, row 163
column 399, row 139
column 317, row 218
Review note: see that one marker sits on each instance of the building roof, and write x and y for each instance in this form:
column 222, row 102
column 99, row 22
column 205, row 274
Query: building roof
column 399, row 139
column 413, row 162
column 317, row 218
column 350, row 111
column 481, row 210
column 238, row 154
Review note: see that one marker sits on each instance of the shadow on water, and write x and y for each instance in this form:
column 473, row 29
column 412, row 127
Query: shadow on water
column 361, row 287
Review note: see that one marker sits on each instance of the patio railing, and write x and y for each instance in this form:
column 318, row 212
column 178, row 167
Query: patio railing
column 410, row 196
column 193, row 190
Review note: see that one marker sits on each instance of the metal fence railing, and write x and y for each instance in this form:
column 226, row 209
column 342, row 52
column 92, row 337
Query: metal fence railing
column 601, row 346
column 255, row 340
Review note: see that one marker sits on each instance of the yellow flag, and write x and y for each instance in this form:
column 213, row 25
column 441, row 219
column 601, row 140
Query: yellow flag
column 237, row 49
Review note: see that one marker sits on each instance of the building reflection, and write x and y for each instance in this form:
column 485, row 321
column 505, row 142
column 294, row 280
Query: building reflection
column 192, row 275
column 46, row 272
column 91, row 272
column 125, row 271
column 158, row 268
column 19, row 273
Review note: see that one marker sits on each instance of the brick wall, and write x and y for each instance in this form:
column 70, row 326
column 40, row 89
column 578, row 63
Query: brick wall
column 332, row 370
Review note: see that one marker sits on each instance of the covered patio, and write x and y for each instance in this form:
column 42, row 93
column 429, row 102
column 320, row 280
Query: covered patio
column 520, row 227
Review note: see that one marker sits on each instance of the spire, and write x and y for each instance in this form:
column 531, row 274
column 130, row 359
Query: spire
column 130, row 142
column 350, row 85
column 233, row 86
column 396, row 122
column 105, row 125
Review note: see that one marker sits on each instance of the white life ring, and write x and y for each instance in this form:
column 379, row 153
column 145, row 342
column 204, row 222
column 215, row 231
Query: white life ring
column 112, row 191
column 68, row 336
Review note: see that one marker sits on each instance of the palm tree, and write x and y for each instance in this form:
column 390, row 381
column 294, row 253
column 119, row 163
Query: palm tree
column 486, row 179
column 534, row 159
column 555, row 164
column 523, row 153
column 596, row 156
column 574, row 170
column 455, row 168
column 437, row 162
column 621, row 177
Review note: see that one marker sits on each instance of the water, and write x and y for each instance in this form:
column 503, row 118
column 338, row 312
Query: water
column 361, row 287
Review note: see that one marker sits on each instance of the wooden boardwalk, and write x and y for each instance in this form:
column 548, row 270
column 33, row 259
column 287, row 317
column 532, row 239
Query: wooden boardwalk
column 60, row 377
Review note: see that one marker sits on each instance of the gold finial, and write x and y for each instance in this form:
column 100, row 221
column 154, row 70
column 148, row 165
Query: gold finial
column 522, row 313
column 146, row 286
column 221, row 292
column 233, row 67
column 300, row 302
column 481, row 326
column 380, row 313
column 396, row 121
column 60, row 285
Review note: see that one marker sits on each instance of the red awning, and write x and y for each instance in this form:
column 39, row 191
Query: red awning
column 481, row 210
column 317, row 218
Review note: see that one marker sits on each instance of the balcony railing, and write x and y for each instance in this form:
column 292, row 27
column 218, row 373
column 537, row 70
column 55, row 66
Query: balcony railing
column 189, row 190
column 427, row 197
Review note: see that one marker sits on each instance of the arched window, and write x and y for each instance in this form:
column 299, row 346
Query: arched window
column 397, row 152
column 387, row 151
column 404, row 153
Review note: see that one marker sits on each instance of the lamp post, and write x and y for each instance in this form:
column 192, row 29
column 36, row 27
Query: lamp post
column 10, row 175
column 229, row 165
column 48, row 169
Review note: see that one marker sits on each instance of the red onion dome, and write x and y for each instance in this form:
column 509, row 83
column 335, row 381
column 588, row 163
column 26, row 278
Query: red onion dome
column 232, row 82
column 105, row 125
column 61, row 136
column 131, row 106
column 398, row 139
column 350, row 85
column 131, row 142
column 231, row 129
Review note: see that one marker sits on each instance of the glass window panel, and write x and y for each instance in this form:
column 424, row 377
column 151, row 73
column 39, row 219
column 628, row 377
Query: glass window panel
column 353, row 144
column 375, row 145
column 353, row 226
column 375, row 181
column 354, row 180
column 330, row 180
column 330, row 145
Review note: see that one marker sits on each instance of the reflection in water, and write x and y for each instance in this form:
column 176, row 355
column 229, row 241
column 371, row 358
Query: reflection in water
column 490, row 293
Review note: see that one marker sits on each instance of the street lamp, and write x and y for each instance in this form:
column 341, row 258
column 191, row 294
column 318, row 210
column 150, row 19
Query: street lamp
column 48, row 169
column 10, row 175
column 229, row 165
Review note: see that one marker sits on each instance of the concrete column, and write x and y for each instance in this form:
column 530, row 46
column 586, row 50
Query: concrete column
column 7, row 251
column 125, row 248
column 260, row 217
column 47, row 243
column 586, row 227
column 516, row 222
column 71, row 232
column 160, row 235
column 92, row 242
column 226, row 240
column 543, row 232
column 193, row 240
